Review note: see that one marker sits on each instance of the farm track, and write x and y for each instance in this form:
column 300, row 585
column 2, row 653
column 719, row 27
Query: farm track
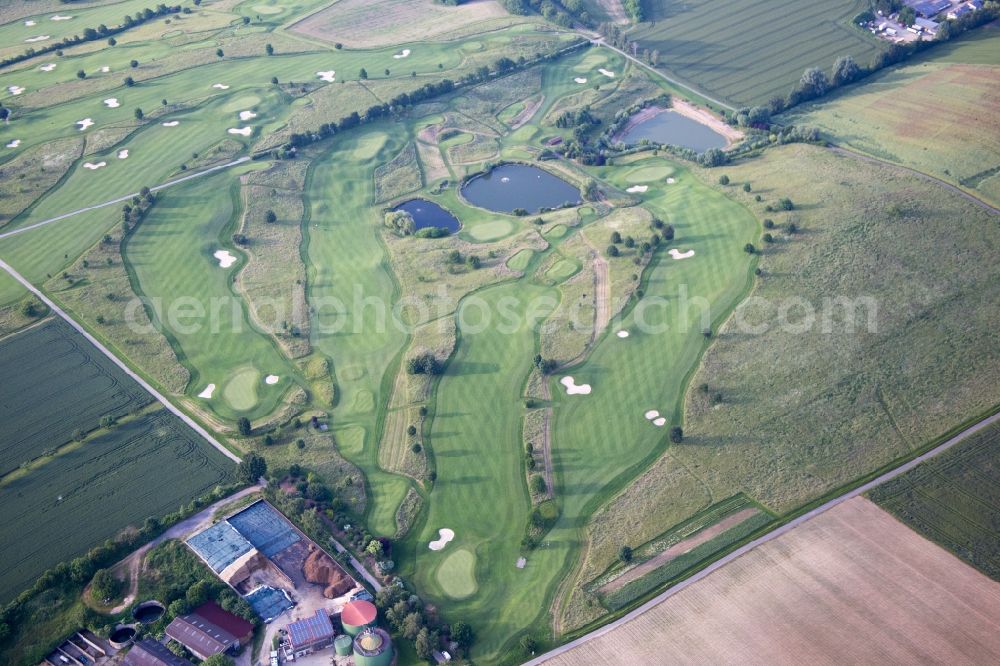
column 770, row 536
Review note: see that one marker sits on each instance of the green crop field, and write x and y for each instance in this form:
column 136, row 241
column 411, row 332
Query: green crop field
column 747, row 52
column 954, row 500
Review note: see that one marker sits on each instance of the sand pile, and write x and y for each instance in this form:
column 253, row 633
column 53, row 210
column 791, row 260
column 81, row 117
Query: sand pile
column 320, row 569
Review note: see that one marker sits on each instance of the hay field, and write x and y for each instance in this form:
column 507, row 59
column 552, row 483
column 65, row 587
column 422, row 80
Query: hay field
column 747, row 52
column 367, row 24
column 852, row 585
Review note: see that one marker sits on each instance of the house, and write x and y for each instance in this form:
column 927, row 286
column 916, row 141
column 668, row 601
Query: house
column 310, row 634
column 148, row 652
column 959, row 12
column 210, row 630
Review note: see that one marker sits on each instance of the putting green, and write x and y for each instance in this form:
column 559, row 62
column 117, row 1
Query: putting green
column 486, row 231
column 520, row 261
column 591, row 62
column 352, row 373
column 241, row 103
column 648, row 174
column 457, row 574
column 351, row 440
column 561, row 270
column 268, row 9
column 370, row 145
column 240, row 391
column 558, row 231
column 363, row 401
column 524, row 134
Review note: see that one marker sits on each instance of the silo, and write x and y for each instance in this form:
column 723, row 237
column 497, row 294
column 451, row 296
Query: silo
column 342, row 646
column 372, row 647
column 357, row 615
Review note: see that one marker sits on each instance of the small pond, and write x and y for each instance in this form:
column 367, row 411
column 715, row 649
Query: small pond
column 428, row 214
column 512, row 186
column 677, row 130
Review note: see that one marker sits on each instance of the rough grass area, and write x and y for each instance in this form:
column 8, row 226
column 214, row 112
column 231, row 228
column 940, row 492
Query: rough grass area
column 809, row 401
column 408, row 511
column 28, row 175
column 400, row 175
column 625, row 269
column 954, row 500
column 570, row 329
column 939, row 115
column 748, row 53
column 366, row 24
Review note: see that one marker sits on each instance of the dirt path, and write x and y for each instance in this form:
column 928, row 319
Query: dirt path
column 602, row 291
column 615, row 11
column 547, row 452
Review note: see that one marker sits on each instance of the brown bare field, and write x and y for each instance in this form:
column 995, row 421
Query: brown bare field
column 369, row 24
column 852, row 585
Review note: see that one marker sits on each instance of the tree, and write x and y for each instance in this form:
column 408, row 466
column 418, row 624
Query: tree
column 112, row 41
column 129, row 81
column 220, row 659
column 412, row 624
column 251, row 468
column 676, row 434
column 270, row 217
column 243, row 426
column 80, row 74
column 463, row 634
column 199, row 593
column 538, row 484
column 387, row 71
column 749, row 248
column 219, row 52
column 813, row 83
column 723, row 179
column 104, row 586
column 425, row 644
column 625, row 554
column 269, row 49
column 613, row 251
column 616, row 237
column 411, row 430
column 845, row 70
column 528, row 644
column 138, row 114
column 4, row 113
column 133, row 64
column 746, row 187
column 363, row 74
column 907, row 16
column 374, row 548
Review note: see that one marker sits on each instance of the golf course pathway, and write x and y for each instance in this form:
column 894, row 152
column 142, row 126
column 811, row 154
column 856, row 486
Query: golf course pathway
column 718, row 564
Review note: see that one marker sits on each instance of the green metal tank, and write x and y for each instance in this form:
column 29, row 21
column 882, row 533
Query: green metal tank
column 343, row 645
column 357, row 615
column 372, row 647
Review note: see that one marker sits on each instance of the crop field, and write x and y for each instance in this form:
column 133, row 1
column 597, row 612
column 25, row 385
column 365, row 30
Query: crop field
column 954, row 500
column 48, row 398
column 938, row 114
column 774, row 604
column 751, row 51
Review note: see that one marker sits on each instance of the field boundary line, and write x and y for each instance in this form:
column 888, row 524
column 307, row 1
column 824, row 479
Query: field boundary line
column 157, row 188
column 773, row 534
column 117, row 361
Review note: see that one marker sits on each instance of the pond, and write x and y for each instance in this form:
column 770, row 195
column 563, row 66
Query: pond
column 509, row 187
column 428, row 214
column 677, row 130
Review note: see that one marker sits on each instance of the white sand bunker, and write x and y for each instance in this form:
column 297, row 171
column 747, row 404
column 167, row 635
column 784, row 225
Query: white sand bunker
column 521, row 563
column 580, row 79
column 123, row 154
column 59, row 17
column 14, row 144
column 40, row 38
column 622, row 334
column 29, row 23
column 207, row 393
column 660, row 422
column 171, row 123
column 225, row 259
column 637, row 188
column 94, row 167
column 243, row 131
column 112, row 103
column 572, row 388
column 651, row 414
column 402, row 54
column 677, row 254
column 671, row 181
column 247, row 115
column 445, row 535
column 271, row 379
column 220, row 86
column 15, row 90
column 326, row 76
column 607, row 72
column 105, row 69
column 48, row 67
column 85, row 123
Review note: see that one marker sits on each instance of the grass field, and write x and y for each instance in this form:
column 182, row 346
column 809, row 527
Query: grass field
column 954, row 500
column 937, row 114
column 750, row 52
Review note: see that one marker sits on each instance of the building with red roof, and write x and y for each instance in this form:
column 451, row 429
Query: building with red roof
column 210, row 630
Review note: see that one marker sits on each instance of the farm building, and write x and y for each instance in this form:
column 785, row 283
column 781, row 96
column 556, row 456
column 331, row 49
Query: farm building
column 960, row 11
column 210, row 630
column 148, row 652
column 929, row 8
column 372, row 647
column 928, row 26
column 358, row 615
column 310, row 634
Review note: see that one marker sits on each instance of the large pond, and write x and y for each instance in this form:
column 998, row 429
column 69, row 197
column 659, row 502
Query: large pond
column 509, row 187
column 677, row 130
column 428, row 214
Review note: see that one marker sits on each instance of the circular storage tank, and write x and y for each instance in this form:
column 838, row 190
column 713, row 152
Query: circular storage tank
column 357, row 615
column 343, row 645
column 372, row 647
column 122, row 636
column 148, row 611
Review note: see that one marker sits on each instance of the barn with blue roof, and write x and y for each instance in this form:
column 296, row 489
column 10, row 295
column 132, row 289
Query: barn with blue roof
column 311, row 634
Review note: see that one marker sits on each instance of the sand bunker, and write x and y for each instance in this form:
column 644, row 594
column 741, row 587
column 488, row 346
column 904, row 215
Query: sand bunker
column 521, row 563
column 94, row 167
column 671, row 181
column 607, row 72
column 14, row 144
column 207, row 393
column 225, row 259
column 580, row 79
column 622, row 334
column 112, row 103
column 123, row 154
column 660, row 422
column 59, row 17
column 677, row 254
column 326, row 76
column 271, row 379
column 105, row 69
column 247, row 115
column 48, row 67
column 445, row 535
column 402, row 54
column 171, row 123
column 15, row 90
column 243, row 131
column 651, row 414
column 85, row 123
column 637, row 188
column 220, row 86
column 572, row 388
column 29, row 23
column 40, row 38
